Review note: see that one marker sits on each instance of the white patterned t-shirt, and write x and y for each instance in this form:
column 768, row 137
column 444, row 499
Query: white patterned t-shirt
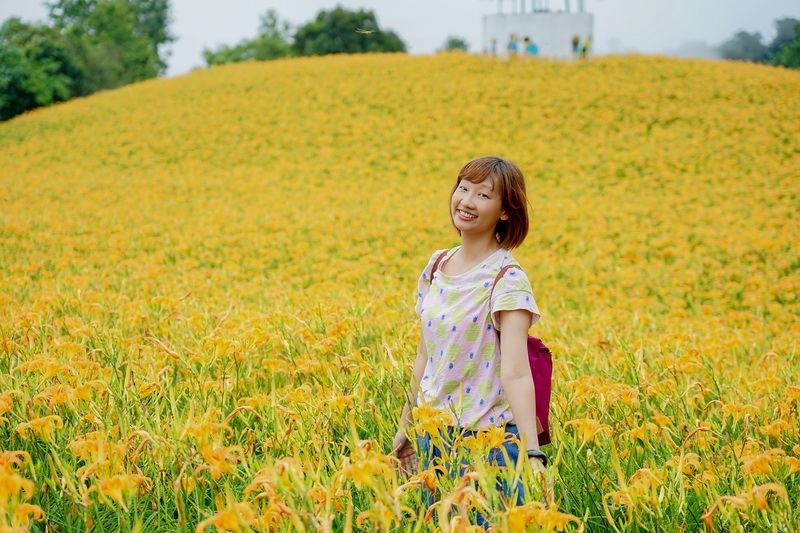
column 462, row 374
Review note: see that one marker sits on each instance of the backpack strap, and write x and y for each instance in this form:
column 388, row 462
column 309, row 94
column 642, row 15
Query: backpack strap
column 436, row 263
column 498, row 278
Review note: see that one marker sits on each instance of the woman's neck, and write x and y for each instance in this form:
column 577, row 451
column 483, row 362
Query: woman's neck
column 474, row 250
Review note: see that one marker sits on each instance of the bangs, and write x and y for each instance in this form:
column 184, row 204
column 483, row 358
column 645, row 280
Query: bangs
column 479, row 171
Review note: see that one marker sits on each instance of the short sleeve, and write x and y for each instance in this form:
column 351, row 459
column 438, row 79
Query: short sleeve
column 513, row 291
column 424, row 283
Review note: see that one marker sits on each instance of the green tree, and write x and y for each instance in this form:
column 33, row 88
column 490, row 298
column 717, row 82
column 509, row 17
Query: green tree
column 744, row 47
column 785, row 35
column 341, row 31
column 117, row 41
column 36, row 68
column 455, row 43
column 789, row 54
column 272, row 42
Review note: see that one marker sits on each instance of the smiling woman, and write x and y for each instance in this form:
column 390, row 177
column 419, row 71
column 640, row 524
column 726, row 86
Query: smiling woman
column 469, row 308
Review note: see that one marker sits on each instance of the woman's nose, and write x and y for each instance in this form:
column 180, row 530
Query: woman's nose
column 468, row 199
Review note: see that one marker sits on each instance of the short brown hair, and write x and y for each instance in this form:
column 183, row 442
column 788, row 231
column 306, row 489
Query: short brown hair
column 508, row 177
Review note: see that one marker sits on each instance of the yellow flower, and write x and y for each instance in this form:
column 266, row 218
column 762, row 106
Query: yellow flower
column 493, row 437
column 429, row 419
column 367, row 472
column 238, row 517
column 757, row 497
column 641, row 432
column 776, row 428
column 12, row 485
column 737, row 411
column 25, row 512
column 661, row 420
column 427, row 477
column 761, row 493
column 43, row 426
column 793, row 392
column 547, row 517
column 588, row 429
column 94, row 447
column 794, row 464
column 338, row 404
column 11, row 460
column 690, row 463
column 119, row 487
column 762, row 463
column 220, row 459
column 383, row 516
column 7, row 400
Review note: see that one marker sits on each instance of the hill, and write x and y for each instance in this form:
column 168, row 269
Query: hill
column 208, row 281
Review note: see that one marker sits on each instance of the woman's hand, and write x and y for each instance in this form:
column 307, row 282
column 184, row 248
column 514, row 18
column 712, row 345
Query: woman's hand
column 537, row 465
column 402, row 449
column 544, row 477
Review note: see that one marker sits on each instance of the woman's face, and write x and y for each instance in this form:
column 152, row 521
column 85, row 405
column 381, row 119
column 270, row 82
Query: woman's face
column 476, row 208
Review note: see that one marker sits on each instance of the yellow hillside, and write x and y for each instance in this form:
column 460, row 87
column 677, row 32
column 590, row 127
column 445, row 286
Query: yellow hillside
column 206, row 289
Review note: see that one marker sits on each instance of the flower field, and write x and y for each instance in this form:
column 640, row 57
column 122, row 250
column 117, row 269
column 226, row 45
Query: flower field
column 207, row 286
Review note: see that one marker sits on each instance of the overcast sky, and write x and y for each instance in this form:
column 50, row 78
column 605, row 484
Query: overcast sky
column 646, row 26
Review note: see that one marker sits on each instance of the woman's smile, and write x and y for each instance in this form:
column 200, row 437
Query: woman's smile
column 464, row 215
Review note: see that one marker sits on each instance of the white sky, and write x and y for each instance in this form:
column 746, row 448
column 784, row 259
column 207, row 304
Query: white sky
column 647, row 26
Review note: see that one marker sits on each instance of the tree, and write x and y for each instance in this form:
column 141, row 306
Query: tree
column 789, row 54
column 90, row 45
column 745, row 47
column 341, row 31
column 786, row 33
column 117, row 41
column 784, row 49
column 36, row 68
column 455, row 43
column 272, row 42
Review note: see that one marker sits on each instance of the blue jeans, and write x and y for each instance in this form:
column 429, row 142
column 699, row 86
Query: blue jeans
column 448, row 451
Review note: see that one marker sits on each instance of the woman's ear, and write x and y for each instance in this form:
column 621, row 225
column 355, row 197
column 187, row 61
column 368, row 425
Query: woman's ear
column 503, row 216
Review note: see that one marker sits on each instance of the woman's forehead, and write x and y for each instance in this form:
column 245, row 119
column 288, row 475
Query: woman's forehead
column 483, row 181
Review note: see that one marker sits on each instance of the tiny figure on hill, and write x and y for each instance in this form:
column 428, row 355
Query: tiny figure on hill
column 576, row 46
column 512, row 45
column 586, row 47
column 531, row 50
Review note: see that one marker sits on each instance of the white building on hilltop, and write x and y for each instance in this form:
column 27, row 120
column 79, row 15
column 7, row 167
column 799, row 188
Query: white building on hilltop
column 540, row 31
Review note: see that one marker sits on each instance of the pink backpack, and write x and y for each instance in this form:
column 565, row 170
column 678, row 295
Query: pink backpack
column 540, row 360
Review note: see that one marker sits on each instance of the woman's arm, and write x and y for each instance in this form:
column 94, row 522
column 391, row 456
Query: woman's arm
column 515, row 376
column 401, row 445
column 416, row 378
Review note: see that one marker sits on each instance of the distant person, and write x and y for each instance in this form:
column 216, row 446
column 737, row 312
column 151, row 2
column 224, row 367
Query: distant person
column 576, row 46
column 512, row 45
column 494, row 47
column 586, row 47
column 530, row 48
